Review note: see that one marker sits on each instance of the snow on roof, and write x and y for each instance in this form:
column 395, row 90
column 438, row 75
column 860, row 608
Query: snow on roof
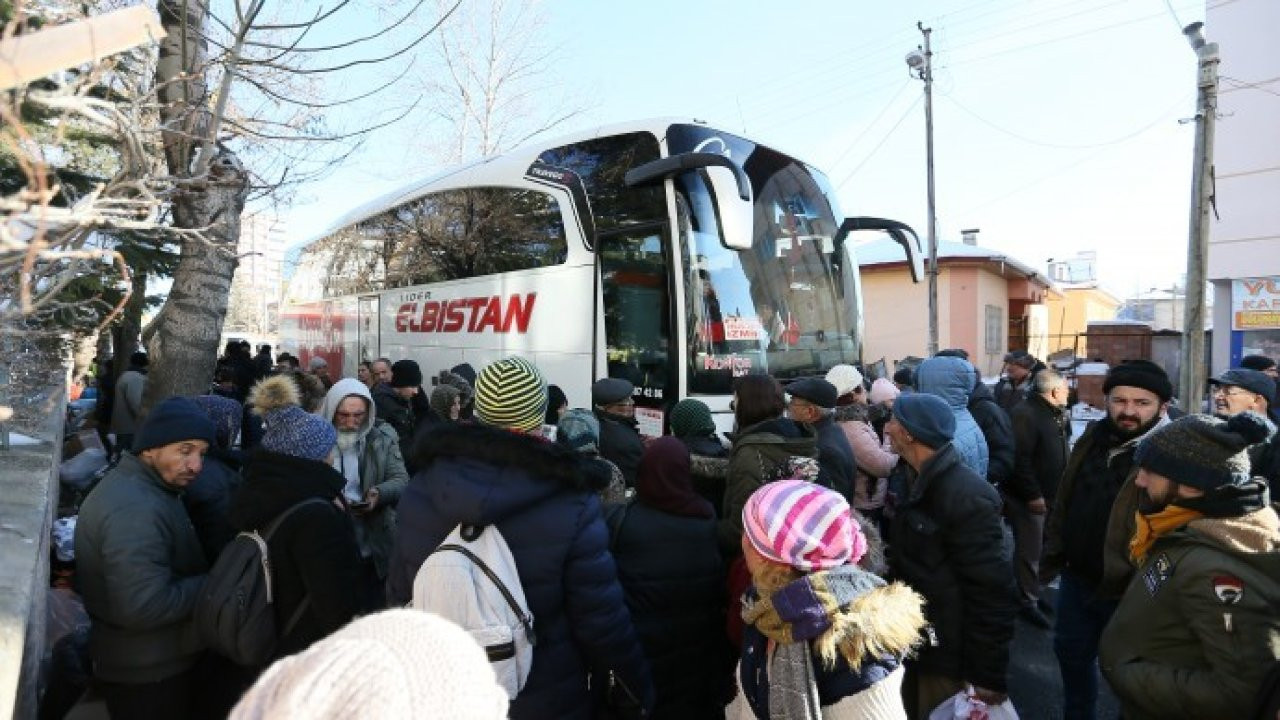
column 885, row 251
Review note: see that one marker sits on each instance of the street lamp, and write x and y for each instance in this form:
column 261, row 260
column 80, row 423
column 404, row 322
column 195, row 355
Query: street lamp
column 920, row 62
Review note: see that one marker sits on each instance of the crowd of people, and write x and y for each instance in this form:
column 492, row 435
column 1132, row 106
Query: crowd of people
column 852, row 549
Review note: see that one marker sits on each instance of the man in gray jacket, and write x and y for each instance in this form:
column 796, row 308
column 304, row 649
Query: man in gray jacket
column 368, row 456
column 126, row 412
column 141, row 568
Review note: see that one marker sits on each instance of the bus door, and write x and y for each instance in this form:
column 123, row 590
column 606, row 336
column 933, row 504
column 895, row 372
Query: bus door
column 369, row 325
column 636, row 295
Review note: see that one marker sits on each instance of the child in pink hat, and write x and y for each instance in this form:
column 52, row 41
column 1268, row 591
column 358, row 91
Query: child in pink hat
column 824, row 638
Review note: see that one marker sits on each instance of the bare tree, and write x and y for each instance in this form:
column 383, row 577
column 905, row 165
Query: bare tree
column 277, row 110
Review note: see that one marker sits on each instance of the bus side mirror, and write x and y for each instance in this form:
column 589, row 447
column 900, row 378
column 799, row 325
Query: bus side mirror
column 901, row 234
column 734, row 213
column 729, row 183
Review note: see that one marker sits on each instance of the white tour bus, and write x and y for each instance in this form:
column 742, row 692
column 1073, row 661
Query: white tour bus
column 665, row 252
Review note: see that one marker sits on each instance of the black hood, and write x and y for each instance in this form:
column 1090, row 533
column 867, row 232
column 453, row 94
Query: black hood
column 273, row 482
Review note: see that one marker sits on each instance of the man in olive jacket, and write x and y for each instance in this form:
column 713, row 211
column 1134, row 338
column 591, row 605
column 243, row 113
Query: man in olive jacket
column 1198, row 627
column 141, row 568
column 368, row 456
column 946, row 540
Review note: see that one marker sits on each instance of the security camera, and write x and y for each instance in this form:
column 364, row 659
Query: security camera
column 915, row 59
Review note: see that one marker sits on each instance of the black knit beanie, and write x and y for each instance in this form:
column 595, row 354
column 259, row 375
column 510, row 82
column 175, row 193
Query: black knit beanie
column 1202, row 451
column 1142, row 374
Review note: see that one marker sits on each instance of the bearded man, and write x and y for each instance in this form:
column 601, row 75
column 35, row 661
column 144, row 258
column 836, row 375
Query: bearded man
column 368, row 456
column 1087, row 540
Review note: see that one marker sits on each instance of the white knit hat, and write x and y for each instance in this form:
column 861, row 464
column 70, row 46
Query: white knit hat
column 393, row 664
column 845, row 377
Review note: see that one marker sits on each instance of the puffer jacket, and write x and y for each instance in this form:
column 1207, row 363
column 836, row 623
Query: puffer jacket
column 673, row 579
column 381, row 468
column 758, row 452
column 396, row 412
column 313, row 552
column 140, row 568
column 952, row 379
column 1199, row 626
column 946, row 541
column 997, row 430
column 709, row 467
column 874, row 458
column 536, row 494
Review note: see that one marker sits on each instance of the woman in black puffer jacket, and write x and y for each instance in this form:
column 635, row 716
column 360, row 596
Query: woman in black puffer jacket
column 314, row 555
column 664, row 544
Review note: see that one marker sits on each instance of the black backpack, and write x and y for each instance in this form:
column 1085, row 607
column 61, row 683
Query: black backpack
column 234, row 614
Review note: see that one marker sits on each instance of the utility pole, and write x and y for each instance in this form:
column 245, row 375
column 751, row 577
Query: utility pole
column 1192, row 377
column 923, row 66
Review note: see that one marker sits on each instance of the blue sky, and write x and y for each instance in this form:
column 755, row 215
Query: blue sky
column 1056, row 121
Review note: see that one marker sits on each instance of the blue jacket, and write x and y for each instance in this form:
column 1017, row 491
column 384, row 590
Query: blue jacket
column 952, row 379
column 535, row 493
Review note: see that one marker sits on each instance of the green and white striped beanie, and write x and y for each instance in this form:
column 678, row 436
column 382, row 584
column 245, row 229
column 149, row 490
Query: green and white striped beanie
column 511, row 393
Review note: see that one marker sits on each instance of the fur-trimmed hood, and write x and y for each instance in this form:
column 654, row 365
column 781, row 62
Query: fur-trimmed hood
column 484, row 474
column 274, row 393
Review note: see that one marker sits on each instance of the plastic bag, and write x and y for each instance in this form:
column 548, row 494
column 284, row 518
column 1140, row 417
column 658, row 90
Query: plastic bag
column 78, row 471
column 965, row 706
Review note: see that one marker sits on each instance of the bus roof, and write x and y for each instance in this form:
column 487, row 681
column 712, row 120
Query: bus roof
column 511, row 164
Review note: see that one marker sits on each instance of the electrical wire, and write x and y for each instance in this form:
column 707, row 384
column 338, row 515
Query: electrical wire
column 1061, row 146
column 1242, row 85
column 880, row 144
column 870, row 125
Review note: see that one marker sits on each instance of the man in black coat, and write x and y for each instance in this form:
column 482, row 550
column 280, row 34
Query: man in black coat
column 1041, row 429
column 394, row 404
column 620, row 441
column 947, row 542
column 1019, row 368
column 812, row 403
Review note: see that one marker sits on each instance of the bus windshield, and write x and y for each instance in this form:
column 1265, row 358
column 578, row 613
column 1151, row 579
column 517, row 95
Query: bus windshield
column 778, row 307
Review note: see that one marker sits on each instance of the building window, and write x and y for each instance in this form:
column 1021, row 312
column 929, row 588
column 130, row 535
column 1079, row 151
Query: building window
column 995, row 330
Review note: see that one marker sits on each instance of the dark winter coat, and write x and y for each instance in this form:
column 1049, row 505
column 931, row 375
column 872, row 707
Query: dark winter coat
column 835, row 457
column 535, row 493
column 313, row 552
column 398, row 413
column 620, row 443
column 208, row 500
column 673, row 580
column 996, row 429
column 1092, row 519
column 758, row 452
column 140, row 569
column 1042, row 431
column 1008, row 394
column 946, row 541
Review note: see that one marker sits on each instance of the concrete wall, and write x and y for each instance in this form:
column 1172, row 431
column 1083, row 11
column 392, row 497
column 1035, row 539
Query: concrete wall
column 29, row 476
column 896, row 321
column 993, row 290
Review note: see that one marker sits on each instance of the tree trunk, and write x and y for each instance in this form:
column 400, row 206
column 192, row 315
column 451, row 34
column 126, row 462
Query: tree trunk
column 183, row 339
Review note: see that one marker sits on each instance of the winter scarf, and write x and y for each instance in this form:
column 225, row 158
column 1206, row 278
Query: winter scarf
column 1152, row 527
column 1226, row 501
column 663, row 480
column 844, row 612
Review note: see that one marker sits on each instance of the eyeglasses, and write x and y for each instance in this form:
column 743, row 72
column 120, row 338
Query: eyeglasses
column 1230, row 391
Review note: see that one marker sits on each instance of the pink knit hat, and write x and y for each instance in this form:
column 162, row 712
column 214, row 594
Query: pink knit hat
column 883, row 390
column 803, row 525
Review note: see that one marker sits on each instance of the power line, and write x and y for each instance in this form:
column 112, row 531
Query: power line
column 1174, row 15
column 1060, row 146
column 870, row 125
column 880, row 144
column 1242, row 85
